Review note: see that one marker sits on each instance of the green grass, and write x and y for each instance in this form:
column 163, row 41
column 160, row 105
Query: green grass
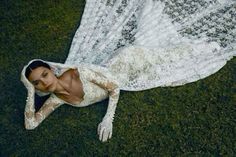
column 197, row 119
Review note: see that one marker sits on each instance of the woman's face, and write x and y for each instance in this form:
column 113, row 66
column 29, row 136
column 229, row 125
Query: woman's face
column 43, row 79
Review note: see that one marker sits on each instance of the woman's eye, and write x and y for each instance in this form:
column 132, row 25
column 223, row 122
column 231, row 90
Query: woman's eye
column 45, row 74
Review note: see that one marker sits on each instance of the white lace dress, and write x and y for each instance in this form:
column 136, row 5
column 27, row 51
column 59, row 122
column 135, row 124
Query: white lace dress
column 152, row 43
column 97, row 85
column 94, row 85
column 141, row 44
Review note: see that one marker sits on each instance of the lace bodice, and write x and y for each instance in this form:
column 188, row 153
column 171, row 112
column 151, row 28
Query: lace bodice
column 96, row 86
column 92, row 92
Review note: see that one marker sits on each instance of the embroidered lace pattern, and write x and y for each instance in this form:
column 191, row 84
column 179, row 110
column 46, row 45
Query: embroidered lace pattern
column 32, row 119
column 141, row 44
column 96, row 86
column 147, row 43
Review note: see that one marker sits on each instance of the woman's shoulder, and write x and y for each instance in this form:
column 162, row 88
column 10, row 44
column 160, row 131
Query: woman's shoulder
column 69, row 74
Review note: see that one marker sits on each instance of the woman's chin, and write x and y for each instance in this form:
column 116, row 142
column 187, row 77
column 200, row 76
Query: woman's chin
column 48, row 90
column 51, row 88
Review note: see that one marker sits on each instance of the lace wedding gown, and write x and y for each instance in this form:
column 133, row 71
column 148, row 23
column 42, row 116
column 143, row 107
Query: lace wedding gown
column 147, row 43
column 143, row 44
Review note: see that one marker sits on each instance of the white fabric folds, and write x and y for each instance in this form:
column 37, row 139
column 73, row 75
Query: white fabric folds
column 146, row 43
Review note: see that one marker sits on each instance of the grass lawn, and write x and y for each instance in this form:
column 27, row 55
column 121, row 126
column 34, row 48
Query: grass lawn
column 197, row 119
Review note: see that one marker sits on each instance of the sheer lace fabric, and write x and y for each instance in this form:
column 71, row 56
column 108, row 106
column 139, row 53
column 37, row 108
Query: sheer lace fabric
column 141, row 44
column 32, row 119
column 96, row 87
column 147, row 43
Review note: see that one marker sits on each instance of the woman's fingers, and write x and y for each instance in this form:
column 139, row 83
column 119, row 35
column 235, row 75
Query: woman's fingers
column 110, row 134
column 105, row 135
column 99, row 128
column 104, row 131
column 101, row 133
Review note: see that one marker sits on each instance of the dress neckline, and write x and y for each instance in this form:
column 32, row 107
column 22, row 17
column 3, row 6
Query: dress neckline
column 83, row 88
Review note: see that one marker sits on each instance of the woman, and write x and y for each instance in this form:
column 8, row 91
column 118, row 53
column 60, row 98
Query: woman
column 130, row 46
column 77, row 86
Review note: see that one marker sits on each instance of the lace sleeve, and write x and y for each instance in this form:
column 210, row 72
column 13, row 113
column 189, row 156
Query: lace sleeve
column 32, row 119
column 108, row 84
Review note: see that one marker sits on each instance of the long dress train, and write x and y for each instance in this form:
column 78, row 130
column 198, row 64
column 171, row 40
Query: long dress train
column 146, row 43
column 141, row 44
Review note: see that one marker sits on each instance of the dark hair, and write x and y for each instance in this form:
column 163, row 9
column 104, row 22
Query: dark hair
column 35, row 64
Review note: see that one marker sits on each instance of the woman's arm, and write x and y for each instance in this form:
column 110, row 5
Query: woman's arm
column 32, row 119
column 113, row 90
column 105, row 127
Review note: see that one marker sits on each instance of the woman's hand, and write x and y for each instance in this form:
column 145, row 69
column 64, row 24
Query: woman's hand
column 29, row 86
column 112, row 86
column 105, row 129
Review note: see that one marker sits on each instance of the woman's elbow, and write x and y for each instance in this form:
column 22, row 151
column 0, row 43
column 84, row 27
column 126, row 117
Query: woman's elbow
column 114, row 92
column 112, row 86
column 30, row 126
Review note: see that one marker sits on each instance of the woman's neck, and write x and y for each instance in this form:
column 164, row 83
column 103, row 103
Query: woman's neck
column 60, row 88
